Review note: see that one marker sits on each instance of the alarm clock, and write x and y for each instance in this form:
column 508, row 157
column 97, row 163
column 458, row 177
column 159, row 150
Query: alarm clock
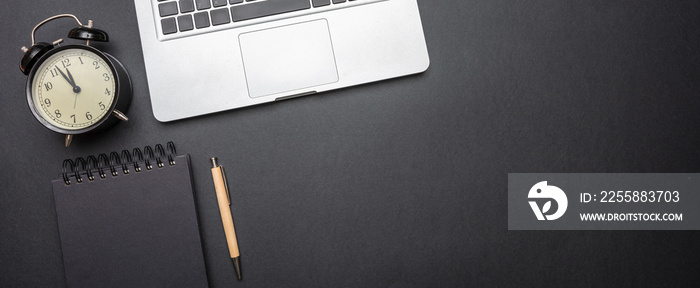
column 75, row 89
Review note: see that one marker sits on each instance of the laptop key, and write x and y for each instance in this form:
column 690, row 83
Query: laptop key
column 235, row 1
column 201, row 20
column 319, row 3
column 218, row 3
column 338, row 1
column 267, row 8
column 203, row 4
column 186, row 6
column 168, row 25
column 185, row 22
column 167, row 9
column 220, row 16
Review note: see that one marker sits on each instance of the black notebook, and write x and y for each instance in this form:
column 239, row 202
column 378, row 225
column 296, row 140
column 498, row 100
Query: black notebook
column 129, row 220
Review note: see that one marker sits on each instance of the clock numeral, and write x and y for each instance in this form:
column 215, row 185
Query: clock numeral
column 54, row 72
column 96, row 64
column 102, row 106
column 106, row 76
column 107, row 92
column 47, row 102
column 73, row 116
column 48, row 86
column 58, row 113
column 81, row 60
column 66, row 63
column 88, row 116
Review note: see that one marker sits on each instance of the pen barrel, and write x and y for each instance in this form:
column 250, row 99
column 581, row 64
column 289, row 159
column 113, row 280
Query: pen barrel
column 225, row 211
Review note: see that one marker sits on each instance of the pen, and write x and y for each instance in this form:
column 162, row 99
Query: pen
column 224, row 198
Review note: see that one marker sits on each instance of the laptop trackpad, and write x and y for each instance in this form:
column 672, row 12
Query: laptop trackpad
column 288, row 58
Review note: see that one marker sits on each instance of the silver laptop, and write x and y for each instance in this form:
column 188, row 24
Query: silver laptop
column 206, row 56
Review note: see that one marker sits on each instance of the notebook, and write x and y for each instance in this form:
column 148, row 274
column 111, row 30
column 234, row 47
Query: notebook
column 205, row 56
column 129, row 220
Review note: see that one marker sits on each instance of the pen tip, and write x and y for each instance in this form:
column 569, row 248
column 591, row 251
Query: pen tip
column 237, row 266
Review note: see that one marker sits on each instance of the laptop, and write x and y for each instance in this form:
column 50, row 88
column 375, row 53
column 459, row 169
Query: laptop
column 207, row 56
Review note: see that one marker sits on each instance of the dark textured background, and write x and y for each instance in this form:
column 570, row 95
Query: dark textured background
column 401, row 183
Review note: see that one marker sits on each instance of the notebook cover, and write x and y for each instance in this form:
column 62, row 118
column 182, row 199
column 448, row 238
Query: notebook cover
column 133, row 230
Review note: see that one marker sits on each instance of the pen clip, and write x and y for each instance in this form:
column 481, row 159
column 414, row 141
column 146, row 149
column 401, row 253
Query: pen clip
column 223, row 175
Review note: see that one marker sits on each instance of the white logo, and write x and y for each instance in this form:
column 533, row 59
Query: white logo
column 542, row 191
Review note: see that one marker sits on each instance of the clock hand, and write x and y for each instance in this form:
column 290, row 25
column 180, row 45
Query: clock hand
column 70, row 81
column 75, row 86
column 64, row 76
column 75, row 100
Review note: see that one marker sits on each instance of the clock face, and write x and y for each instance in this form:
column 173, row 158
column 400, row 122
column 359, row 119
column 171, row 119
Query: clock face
column 73, row 89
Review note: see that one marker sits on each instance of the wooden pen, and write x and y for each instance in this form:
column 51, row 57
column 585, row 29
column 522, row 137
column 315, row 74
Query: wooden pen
column 224, row 198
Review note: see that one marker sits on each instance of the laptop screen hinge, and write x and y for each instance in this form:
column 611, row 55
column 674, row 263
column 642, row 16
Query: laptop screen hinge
column 295, row 95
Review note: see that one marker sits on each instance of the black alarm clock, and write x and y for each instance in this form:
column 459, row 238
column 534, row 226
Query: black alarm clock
column 75, row 89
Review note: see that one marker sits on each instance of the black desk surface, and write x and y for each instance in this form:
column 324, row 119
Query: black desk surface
column 402, row 183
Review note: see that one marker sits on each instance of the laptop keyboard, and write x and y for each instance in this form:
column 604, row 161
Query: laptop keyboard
column 178, row 16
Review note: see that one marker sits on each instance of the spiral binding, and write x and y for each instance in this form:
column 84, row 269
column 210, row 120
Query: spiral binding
column 93, row 167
